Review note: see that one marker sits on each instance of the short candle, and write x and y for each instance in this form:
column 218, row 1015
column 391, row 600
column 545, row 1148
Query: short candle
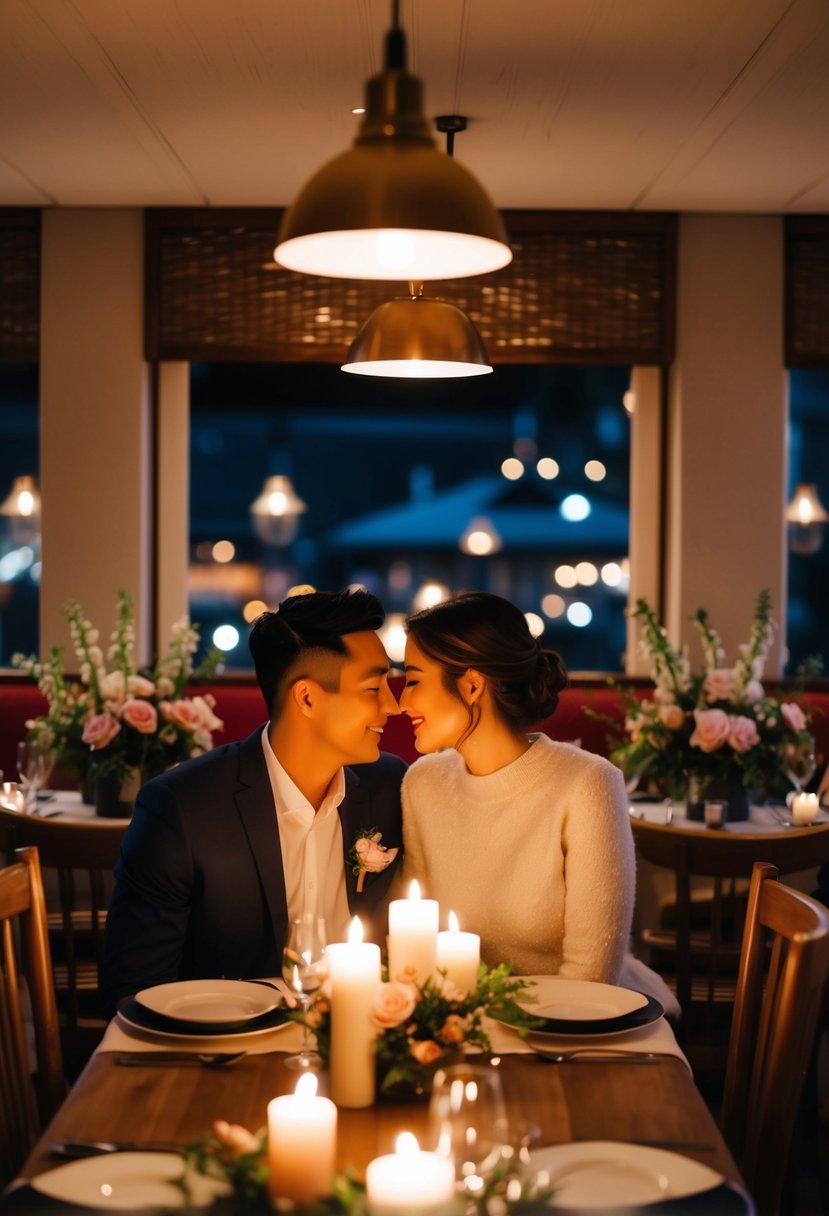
column 302, row 1142
column 355, row 978
column 804, row 808
column 413, row 934
column 459, row 955
column 409, row 1182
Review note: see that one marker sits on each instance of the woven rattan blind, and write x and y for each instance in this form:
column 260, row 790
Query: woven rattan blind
column 19, row 284
column 582, row 288
column 807, row 291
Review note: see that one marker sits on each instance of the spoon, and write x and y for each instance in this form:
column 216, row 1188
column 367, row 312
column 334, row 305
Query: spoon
column 216, row 1059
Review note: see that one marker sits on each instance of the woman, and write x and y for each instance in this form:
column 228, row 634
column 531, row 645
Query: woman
column 527, row 840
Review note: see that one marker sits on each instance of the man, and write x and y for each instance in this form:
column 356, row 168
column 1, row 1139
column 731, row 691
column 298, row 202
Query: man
column 225, row 850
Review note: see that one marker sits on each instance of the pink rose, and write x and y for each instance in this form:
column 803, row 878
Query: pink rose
column 671, row 716
column 712, row 729
column 140, row 715
column 743, row 734
column 208, row 720
column 719, row 684
column 371, row 855
column 393, row 1003
column 237, row 1139
column 100, row 730
column 425, row 1051
column 182, row 713
column 793, row 715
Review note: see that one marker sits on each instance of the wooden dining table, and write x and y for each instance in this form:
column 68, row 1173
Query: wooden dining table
column 550, row 1103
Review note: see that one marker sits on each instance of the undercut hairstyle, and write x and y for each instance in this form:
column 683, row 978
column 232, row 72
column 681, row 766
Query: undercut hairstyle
column 489, row 634
column 304, row 636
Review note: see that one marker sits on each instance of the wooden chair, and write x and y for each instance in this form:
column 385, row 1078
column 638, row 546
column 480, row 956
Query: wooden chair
column 704, row 956
column 784, row 966
column 29, row 1095
column 78, row 859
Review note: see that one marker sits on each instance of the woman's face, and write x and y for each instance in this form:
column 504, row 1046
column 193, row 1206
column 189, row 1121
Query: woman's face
column 439, row 718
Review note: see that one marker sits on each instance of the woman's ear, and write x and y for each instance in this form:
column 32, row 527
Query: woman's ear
column 472, row 685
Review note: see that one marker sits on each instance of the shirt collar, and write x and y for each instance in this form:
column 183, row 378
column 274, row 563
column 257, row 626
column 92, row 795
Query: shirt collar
column 287, row 794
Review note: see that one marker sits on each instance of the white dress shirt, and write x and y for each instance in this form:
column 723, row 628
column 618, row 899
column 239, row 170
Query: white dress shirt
column 312, row 848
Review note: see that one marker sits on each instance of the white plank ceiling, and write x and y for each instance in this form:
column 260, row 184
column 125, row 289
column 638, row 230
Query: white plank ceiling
column 625, row 104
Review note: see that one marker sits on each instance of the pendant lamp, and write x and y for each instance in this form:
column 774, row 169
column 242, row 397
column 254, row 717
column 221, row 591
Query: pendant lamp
column 275, row 513
column 418, row 338
column 22, row 507
column 807, row 519
column 394, row 206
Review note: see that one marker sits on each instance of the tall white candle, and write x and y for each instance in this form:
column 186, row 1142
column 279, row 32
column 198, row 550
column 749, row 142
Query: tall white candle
column 413, row 934
column 355, row 977
column 459, row 955
column 804, row 809
column 409, row 1182
column 302, row 1143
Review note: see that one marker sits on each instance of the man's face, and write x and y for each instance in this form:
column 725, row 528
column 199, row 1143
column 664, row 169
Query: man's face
column 349, row 723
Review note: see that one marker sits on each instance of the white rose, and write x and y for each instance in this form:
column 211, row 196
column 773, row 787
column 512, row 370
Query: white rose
column 140, row 686
column 113, row 687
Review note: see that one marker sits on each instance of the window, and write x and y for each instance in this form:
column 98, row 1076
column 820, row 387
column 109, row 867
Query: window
column 20, row 527
column 516, row 483
column 809, row 569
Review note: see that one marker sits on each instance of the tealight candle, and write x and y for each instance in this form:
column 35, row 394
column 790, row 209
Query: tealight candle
column 804, row 809
column 354, row 967
column 302, row 1142
column 409, row 1182
column 413, row 935
column 459, row 955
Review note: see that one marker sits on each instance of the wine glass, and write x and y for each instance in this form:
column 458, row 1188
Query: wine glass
column 798, row 765
column 34, row 767
column 304, row 967
column 468, row 1123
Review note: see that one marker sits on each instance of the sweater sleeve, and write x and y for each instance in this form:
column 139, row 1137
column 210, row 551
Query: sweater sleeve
column 599, row 877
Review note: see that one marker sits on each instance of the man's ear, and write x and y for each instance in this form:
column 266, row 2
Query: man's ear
column 304, row 694
column 472, row 686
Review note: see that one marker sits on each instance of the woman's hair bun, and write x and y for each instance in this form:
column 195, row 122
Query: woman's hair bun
column 546, row 683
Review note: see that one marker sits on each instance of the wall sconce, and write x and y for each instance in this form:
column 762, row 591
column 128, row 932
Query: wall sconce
column 276, row 511
column 393, row 206
column 22, row 508
column 807, row 519
column 481, row 538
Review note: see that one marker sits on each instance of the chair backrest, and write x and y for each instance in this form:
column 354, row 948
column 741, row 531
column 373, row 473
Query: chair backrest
column 784, row 966
column 31, row 1088
column 82, row 856
column 703, row 853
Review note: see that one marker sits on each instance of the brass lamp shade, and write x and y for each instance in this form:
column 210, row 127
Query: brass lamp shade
column 393, row 207
column 418, row 338
column 806, row 507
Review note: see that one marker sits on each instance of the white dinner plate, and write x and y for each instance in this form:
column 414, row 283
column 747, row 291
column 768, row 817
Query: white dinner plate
column 210, row 1001
column 582, row 1000
column 609, row 1173
column 129, row 1180
column 138, row 1018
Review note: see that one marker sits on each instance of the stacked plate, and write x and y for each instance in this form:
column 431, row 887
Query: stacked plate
column 204, row 1009
column 581, row 1008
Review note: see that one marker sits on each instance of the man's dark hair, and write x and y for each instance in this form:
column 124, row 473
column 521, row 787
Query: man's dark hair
column 310, row 626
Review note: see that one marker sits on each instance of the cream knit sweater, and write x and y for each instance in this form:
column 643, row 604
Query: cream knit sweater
column 537, row 857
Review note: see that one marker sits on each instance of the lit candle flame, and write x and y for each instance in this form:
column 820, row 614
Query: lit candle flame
column 406, row 1143
column 454, row 927
column 306, row 1086
column 355, row 932
column 414, row 889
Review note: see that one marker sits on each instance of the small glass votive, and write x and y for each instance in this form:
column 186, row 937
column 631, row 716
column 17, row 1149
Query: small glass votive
column 715, row 813
column 13, row 797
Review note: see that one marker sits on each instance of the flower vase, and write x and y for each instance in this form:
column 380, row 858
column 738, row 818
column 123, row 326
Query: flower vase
column 115, row 794
column 715, row 789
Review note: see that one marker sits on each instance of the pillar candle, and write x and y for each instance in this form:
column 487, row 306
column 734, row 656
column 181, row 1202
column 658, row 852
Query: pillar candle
column 459, row 955
column 413, row 935
column 409, row 1182
column 355, row 977
column 804, row 809
column 302, row 1141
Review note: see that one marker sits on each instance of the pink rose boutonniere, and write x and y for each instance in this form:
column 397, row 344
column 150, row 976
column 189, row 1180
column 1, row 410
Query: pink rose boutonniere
column 368, row 856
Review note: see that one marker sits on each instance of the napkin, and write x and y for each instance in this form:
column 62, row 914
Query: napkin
column 120, row 1037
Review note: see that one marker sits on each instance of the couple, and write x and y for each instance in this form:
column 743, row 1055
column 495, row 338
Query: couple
column 526, row 839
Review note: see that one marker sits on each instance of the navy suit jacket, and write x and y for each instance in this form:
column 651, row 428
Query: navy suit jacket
column 200, row 889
